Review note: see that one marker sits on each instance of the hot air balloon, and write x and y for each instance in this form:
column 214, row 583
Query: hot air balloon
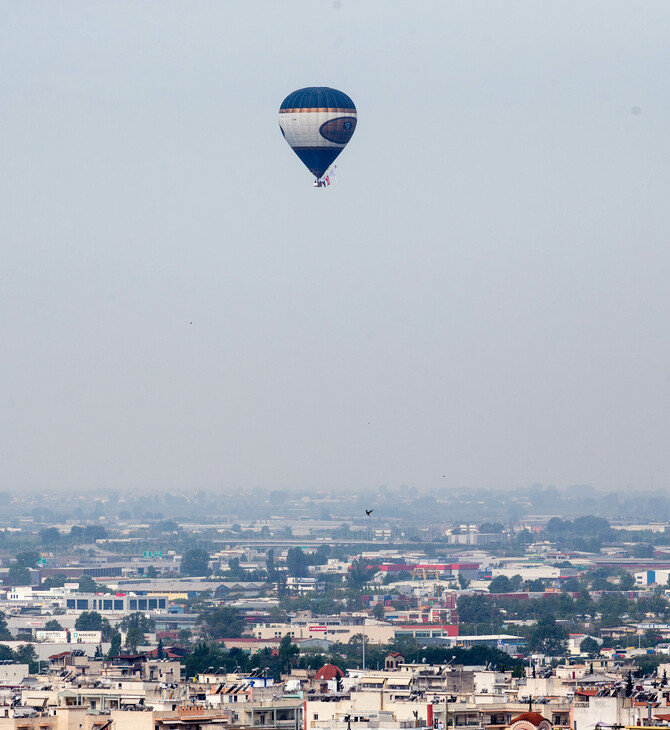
column 317, row 122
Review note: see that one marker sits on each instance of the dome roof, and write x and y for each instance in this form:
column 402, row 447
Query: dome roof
column 329, row 671
column 534, row 718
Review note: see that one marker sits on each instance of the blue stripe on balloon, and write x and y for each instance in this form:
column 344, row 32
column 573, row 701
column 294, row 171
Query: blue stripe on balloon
column 317, row 159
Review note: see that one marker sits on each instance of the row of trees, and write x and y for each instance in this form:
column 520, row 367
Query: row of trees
column 345, row 656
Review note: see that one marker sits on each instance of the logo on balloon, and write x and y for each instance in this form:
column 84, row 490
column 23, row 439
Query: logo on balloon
column 338, row 130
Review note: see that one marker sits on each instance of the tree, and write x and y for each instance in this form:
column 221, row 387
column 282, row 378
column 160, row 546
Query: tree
column 53, row 625
column 378, row 611
column 91, row 533
column 160, row 650
column 115, row 644
column 627, row 582
column 463, row 582
column 221, row 623
column 27, row 558
column 54, row 581
column 19, row 575
column 151, row 572
column 643, row 551
column 137, row 620
column 270, row 566
column 500, row 584
column 536, row 586
column 516, row 581
column 195, row 562
column 360, row 573
column 548, row 637
column 477, row 609
column 629, row 684
column 184, row 637
column 287, row 652
column 87, row 584
column 88, row 621
column 571, row 585
column 50, row 536
column 25, row 654
column 296, row 562
column 590, row 646
column 134, row 638
column 4, row 631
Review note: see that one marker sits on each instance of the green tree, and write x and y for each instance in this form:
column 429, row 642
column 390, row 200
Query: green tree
column 134, row 638
column 548, row 637
column 137, row 620
column 643, row 550
column 115, row 644
column 516, row 581
column 296, row 562
column 463, row 582
column 50, row 536
column 4, row 631
column 19, row 575
column 590, row 646
column 478, row 609
column 53, row 625
column 25, row 654
column 54, row 581
column 91, row 533
column 270, row 566
column 629, row 684
column 571, row 585
column 221, row 623
column 378, row 611
column 27, row 558
column 627, row 582
column 203, row 656
column 360, row 573
column 88, row 621
column 500, row 584
column 87, row 584
column 288, row 651
column 184, row 637
column 151, row 572
column 195, row 562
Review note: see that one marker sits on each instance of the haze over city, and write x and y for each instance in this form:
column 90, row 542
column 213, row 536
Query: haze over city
column 480, row 302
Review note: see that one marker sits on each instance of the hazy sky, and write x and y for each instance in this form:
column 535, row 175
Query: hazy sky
column 482, row 300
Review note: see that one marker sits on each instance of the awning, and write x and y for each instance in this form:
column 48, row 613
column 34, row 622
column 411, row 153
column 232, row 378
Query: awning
column 399, row 681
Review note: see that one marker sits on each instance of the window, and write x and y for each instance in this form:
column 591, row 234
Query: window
column 142, row 604
column 107, row 604
column 153, row 604
column 82, row 603
column 70, row 603
column 118, row 604
column 133, row 604
column 161, row 603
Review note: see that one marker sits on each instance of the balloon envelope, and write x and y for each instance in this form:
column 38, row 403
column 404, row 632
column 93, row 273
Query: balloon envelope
column 317, row 122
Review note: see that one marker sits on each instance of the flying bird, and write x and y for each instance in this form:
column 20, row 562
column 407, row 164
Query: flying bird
column 368, row 512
